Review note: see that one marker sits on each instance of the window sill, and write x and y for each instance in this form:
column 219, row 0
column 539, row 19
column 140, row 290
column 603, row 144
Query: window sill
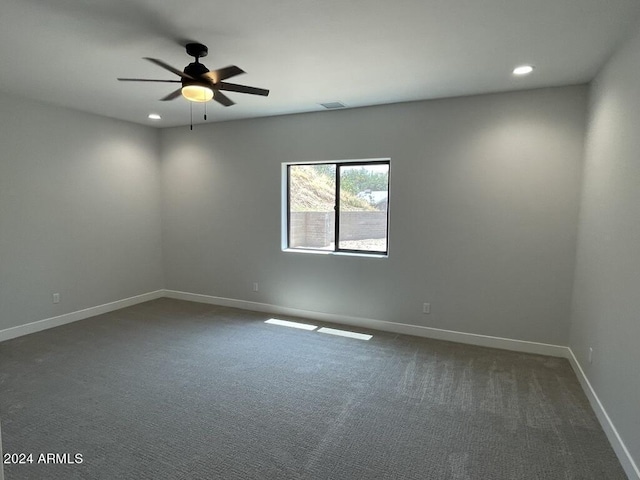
column 338, row 254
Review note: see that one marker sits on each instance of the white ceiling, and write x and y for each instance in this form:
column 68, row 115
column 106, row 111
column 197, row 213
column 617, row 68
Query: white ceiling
column 358, row 52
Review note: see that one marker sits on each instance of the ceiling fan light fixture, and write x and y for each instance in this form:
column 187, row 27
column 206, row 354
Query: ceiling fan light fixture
column 197, row 93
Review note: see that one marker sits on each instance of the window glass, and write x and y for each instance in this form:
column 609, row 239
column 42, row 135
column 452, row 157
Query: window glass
column 343, row 201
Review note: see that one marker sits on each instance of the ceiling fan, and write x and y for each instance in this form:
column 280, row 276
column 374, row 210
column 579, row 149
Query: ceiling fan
column 199, row 84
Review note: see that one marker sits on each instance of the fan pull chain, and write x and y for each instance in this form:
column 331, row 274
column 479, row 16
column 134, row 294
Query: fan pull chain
column 191, row 112
column 205, row 110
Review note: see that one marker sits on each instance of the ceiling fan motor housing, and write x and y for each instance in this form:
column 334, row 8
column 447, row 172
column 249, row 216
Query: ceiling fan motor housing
column 195, row 70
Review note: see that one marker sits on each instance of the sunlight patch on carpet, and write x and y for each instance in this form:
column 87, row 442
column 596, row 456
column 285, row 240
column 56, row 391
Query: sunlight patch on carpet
column 345, row 333
column 286, row 323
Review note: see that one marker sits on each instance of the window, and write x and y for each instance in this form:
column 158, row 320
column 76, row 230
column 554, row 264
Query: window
column 338, row 206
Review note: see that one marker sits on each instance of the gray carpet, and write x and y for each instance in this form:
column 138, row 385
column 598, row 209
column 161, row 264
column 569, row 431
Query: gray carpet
column 177, row 390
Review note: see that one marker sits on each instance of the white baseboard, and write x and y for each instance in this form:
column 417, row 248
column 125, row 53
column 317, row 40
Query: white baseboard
column 39, row 325
column 402, row 328
column 628, row 464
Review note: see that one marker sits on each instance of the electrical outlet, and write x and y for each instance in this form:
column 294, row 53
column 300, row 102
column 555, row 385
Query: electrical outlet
column 590, row 354
column 56, row 298
column 255, row 286
column 426, row 308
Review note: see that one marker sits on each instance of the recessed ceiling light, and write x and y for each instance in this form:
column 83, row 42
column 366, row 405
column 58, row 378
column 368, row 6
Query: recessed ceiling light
column 154, row 116
column 523, row 70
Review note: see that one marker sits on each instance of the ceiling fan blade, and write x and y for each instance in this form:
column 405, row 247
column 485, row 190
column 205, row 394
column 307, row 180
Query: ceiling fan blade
column 166, row 66
column 232, row 87
column 221, row 98
column 172, row 95
column 222, row 73
column 147, row 80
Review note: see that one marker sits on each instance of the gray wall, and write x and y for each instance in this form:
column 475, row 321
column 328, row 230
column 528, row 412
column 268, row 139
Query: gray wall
column 606, row 302
column 483, row 212
column 79, row 211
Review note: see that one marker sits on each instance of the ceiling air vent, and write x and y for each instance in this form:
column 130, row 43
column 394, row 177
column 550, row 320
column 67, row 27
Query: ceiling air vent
column 333, row 105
